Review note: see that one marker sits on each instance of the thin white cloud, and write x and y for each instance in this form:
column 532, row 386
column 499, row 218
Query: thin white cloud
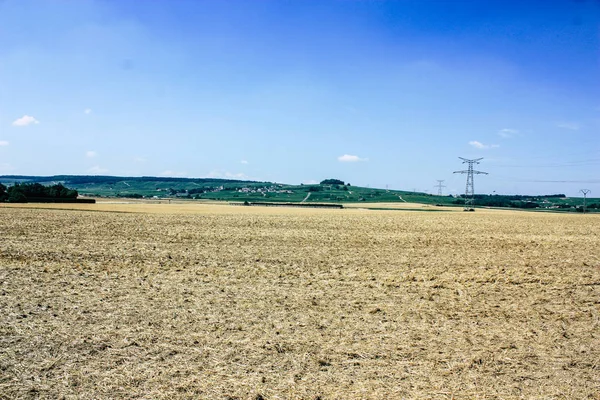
column 25, row 120
column 227, row 175
column 244, row 162
column 90, row 154
column 3, row 143
column 507, row 132
column 239, row 175
column 139, row 159
column 87, row 111
column 310, row 182
column 97, row 170
column 572, row 126
column 479, row 145
column 173, row 174
column 351, row 158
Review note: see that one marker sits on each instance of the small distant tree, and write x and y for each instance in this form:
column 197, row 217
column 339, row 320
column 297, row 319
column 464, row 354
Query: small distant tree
column 3, row 194
column 56, row 191
column 16, row 195
column 34, row 190
column 332, row 182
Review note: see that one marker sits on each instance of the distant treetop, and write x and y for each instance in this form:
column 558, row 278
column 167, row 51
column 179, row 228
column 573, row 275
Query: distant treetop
column 332, row 182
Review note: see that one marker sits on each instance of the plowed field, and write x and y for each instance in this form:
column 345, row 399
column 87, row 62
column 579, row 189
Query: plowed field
column 221, row 302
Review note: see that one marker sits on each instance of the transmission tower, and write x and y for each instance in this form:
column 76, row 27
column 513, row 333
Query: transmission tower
column 440, row 186
column 585, row 193
column 470, row 189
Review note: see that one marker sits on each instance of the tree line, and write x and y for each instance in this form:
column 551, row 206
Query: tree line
column 24, row 192
column 522, row 201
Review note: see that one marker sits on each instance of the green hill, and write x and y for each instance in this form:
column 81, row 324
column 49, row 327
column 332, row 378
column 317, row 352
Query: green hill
column 209, row 188
column 329, row 191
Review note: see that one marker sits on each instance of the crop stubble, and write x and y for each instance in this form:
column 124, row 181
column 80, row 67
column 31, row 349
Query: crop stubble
column 242, row 302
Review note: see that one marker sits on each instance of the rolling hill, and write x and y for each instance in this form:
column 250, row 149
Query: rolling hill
column 150, row 187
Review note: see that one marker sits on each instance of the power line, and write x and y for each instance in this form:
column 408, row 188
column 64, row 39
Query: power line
column 575, row 154
column 470, row 188
column 578, row 163
column 520, row 180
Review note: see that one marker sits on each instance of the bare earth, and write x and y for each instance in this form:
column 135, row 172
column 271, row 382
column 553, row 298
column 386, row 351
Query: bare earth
column 209, row 301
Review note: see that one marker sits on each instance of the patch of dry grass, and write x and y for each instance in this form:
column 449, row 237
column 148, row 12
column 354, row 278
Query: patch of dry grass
column 248, row 302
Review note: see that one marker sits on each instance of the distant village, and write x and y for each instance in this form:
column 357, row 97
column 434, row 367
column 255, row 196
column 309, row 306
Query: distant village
column 195, row 193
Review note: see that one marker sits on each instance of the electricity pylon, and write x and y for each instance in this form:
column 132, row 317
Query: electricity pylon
column 585, row 193
column 470, row 189
column 439, row 186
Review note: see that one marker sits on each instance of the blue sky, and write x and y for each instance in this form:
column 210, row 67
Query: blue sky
column 372, row 92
